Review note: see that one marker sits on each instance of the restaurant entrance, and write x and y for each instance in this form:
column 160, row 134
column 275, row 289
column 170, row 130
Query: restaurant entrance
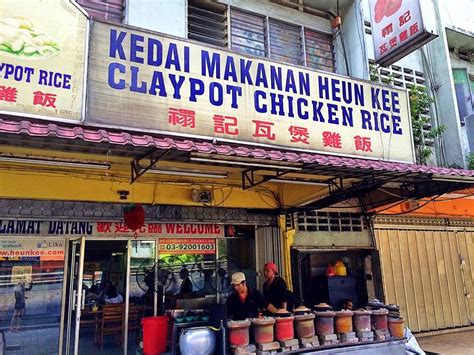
column 104, row 303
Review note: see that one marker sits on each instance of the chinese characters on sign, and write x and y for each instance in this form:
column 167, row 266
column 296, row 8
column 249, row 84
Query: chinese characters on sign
column 399, row 27
column 169, row 85
column 44, row 76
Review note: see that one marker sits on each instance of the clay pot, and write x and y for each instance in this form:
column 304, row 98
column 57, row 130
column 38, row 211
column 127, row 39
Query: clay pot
column 282, row 313
column 304, row 325
column 284, row 328
column 324, row 322
column 379, row 319
column 322, row 307
column 396, row 327
column 361, row 321
column 263, row 330
column 238, row 332
column 343, row 322
column 301, row 310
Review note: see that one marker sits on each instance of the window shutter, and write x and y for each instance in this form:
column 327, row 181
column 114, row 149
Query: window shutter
column 319, row 51
column 247, row 33
column 109, row 10
column 285, row 42
column 207, row 22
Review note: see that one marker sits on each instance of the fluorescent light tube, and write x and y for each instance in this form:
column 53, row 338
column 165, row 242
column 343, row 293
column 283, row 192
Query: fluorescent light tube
column 63, row 163
column 242, row 163
column 299, row 182
column 191, row 173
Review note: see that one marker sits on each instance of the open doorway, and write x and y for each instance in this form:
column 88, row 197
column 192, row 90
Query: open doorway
column 98, row 277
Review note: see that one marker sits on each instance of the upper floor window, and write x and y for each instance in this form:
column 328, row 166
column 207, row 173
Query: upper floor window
column 259, row 35
column 109, row 10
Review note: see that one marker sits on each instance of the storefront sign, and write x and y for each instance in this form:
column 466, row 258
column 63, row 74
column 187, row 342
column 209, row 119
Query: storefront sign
column 42, row 56
column 107, row 229
column 399, row 27
column 187, row 246
column 26, row 249
column 147, row 81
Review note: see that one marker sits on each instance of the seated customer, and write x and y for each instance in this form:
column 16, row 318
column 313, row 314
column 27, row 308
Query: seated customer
column 112, row 296
column 244, row 301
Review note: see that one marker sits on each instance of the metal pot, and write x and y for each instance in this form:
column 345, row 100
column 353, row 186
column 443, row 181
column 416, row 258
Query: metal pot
column 197, row 341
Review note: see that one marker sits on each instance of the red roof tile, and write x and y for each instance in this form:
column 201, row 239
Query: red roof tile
column 125, row 138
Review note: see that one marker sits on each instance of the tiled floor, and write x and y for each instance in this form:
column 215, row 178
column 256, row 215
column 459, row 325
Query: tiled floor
column 449, row 344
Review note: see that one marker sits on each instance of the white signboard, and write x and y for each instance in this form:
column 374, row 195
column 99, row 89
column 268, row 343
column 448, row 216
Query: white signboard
column 149, row 82
column 398, row 28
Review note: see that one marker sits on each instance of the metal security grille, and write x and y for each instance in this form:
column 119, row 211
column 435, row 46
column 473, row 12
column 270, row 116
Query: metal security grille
column 248, row 33
column 314, row 221
column 285, row 42
column 207, row 22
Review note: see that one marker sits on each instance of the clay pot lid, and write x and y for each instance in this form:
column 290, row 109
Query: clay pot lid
column 304, row 317
column 362, row 312
column 322, row 305
column 381, row 311
column 395, row 320
column 344, row 313
column 283, row 313
column 263, row 321
column 302, row 309
column 238, row 323
column 324, row 313
column 284, row 319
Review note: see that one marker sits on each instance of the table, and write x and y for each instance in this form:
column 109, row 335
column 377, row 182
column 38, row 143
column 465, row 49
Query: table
column 175, row 329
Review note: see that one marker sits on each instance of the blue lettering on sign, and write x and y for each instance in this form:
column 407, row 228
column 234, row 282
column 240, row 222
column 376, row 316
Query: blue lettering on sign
column 45, row 77
column 116, row 44
column 20, row 227
column 277, row 90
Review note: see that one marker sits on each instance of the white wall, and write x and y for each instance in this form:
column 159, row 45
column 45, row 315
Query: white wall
column 166, row 16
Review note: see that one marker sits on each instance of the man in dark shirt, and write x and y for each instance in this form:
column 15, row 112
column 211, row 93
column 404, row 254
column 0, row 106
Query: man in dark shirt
column 274, row 288
column 245, row 302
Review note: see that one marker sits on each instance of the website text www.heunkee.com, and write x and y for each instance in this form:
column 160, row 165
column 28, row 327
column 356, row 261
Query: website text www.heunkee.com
column 31, row 252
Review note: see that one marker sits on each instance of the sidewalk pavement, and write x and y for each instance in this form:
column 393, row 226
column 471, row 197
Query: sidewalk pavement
column 460, row 343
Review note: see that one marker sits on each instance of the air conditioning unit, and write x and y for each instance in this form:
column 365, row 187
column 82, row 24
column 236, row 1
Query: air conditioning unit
column 202, row 196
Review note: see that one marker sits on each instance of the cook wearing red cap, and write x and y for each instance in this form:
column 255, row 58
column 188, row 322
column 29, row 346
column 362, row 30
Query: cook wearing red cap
column 274, row 288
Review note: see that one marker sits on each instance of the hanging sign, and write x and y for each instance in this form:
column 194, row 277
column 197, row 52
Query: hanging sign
column 186, row 246
column 42, row 58
column 399, row 27
column 149, row 82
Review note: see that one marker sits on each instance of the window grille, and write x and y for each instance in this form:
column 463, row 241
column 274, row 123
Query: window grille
column 263, row 36
column 248, row 33
column 207, row 22
column 315, row 221
column 406, row 78
column 109, row 10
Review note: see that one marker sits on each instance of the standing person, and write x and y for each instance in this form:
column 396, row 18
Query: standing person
column 274, row 288
column 245, row 302
column 20, row 304
column 186, row 289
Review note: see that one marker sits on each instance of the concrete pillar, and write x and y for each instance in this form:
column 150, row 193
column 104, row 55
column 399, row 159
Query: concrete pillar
column 438, row 62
